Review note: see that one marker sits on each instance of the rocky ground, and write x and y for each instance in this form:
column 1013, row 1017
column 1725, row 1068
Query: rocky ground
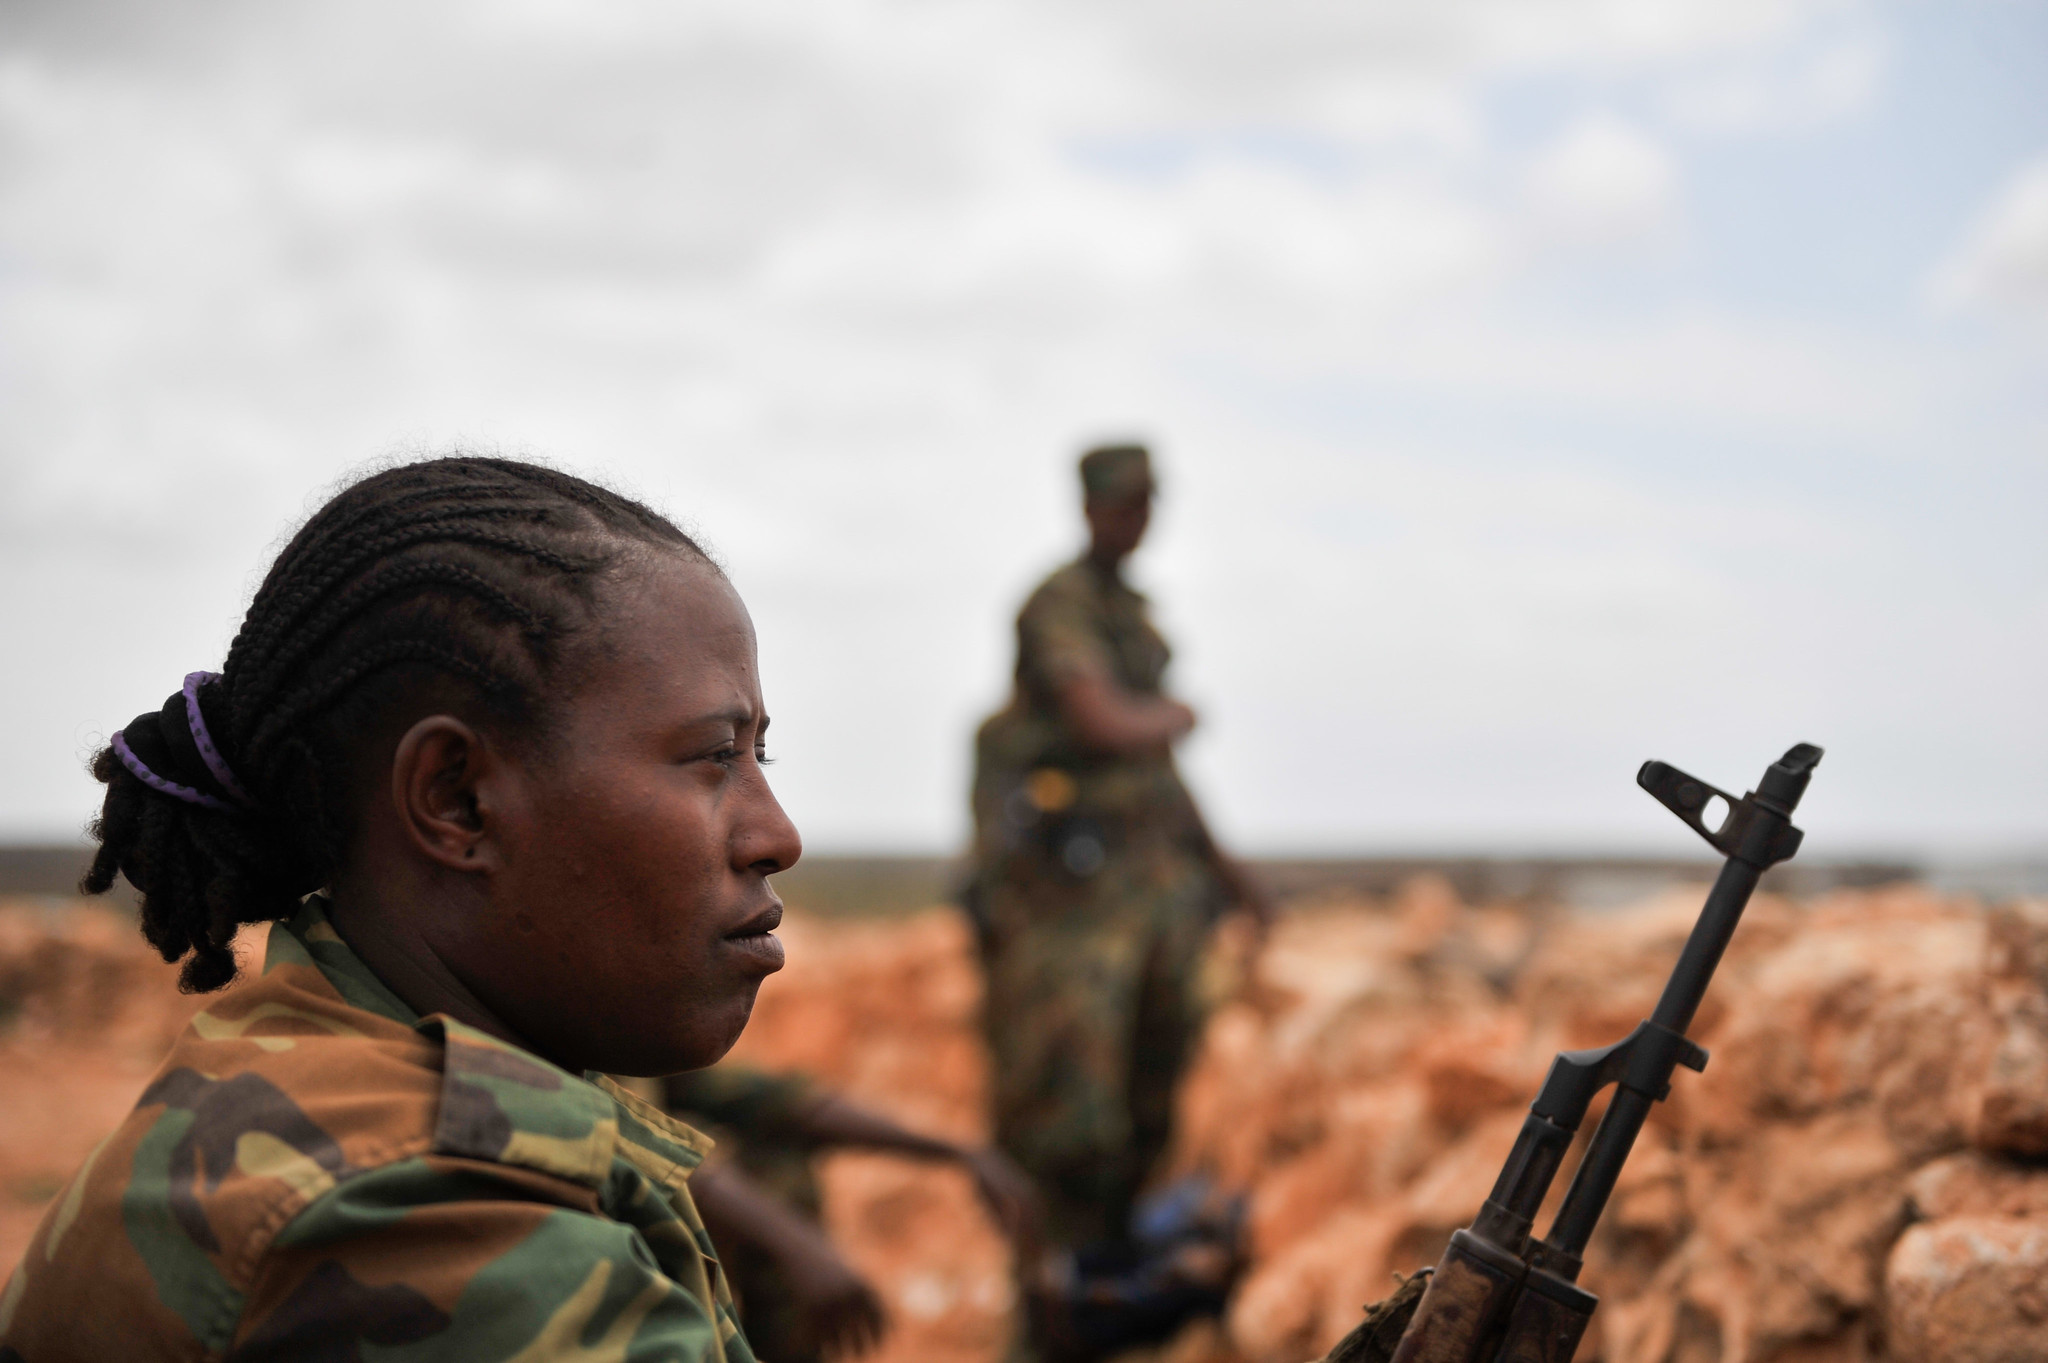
column 1849, row 1180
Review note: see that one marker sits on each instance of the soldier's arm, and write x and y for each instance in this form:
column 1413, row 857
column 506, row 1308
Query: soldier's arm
column 791, row 1108
column 1060, row 649
column 450, row 1259
column 1003, row 1187
column 841, row 1313
column 1057, row 631
column 1110, row 719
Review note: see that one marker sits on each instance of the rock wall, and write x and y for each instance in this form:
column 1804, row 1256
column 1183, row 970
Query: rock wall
column 1845, row 1182
column 86, row 1012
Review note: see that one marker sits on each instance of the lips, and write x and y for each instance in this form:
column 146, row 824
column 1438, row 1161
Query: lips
column 755, row 938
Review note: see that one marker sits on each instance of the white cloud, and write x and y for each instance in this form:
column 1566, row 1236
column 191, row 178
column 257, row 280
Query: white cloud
column 2002, row 261
column 1604, row 181
column 1813, row 84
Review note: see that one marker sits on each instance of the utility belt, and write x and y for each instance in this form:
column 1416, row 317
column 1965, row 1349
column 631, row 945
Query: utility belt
column 1048, row 813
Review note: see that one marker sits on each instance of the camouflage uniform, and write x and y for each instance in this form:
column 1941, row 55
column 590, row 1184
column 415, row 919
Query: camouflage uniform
column 1093, row 894
column 315, row 1169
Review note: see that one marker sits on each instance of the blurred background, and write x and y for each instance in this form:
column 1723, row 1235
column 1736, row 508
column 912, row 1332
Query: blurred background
column 1539, row 387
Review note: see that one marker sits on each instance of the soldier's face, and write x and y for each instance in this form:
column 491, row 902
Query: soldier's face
column 634, row 913
column 1116, row 528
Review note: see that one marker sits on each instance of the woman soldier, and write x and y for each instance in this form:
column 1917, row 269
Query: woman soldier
column 488, row 753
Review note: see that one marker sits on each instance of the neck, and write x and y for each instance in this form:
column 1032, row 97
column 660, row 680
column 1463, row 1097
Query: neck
column 1106, row 560
column 389, row 940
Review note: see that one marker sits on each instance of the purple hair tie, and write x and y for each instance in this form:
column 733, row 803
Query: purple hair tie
column 201, row 739
column 149, row 778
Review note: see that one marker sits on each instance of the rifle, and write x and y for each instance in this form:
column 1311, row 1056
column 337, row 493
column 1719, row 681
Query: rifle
column 1499, row 1296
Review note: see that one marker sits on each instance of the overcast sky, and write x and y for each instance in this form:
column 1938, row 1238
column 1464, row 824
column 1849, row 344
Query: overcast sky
column 1538, row 386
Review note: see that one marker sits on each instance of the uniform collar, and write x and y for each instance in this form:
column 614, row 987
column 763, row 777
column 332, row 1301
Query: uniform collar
column 308, row 938
column 500, row 1102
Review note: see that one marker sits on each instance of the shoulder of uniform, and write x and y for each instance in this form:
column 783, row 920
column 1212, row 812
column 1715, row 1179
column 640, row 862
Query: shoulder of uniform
column 283, row 1092
column 288, row 1057
column 502, row 1104
column 378, row 1086
column 273, row 1095
column 1073, row 587
column 1076, row 577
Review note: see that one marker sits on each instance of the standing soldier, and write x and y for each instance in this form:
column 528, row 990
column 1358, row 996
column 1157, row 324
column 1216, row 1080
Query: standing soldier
column 1095, row 880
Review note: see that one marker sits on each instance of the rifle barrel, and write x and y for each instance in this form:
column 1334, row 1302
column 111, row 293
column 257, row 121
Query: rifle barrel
column 1704, row 948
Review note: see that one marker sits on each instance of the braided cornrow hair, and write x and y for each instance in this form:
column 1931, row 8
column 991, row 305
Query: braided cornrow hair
column 460, row 578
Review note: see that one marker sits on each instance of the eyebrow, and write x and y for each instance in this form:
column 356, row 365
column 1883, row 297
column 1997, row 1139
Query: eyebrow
column 738, row 717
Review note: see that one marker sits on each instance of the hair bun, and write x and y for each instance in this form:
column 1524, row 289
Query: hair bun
column 166, row 744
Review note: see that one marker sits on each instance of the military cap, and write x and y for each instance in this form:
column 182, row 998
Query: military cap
column 1113, row 472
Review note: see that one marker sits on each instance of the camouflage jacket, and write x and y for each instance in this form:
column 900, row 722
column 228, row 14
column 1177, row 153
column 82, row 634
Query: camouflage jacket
column 315, row 1169
column 1032, row 775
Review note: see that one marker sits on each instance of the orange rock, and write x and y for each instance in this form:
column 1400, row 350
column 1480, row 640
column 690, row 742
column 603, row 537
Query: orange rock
column 1473, row 1068
column 1283, row 1309
column 2012, row 1110
column 1427, row 910
column 88, row 1010
column 1972, row 1289
column 1449, row 1191
column 1971, row 1183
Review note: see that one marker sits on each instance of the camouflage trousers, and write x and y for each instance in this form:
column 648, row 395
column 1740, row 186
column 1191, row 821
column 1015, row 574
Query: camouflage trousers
column 1091, row 1011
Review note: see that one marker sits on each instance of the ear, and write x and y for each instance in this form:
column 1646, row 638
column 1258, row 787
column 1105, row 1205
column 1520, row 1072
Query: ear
column 436, row 778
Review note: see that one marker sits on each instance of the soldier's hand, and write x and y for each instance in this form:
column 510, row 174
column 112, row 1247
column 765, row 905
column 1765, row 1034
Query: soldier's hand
column 842, row 1316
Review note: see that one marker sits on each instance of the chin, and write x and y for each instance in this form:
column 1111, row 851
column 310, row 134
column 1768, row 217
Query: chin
column 701, row 1041
column 736, row 1022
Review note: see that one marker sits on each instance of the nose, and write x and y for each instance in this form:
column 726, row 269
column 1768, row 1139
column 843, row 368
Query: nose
column 764, row 839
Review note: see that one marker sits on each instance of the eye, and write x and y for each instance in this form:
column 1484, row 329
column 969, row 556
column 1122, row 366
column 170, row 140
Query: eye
column 762, row 758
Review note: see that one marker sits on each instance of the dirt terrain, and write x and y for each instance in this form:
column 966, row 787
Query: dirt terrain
column 1853, row 1178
